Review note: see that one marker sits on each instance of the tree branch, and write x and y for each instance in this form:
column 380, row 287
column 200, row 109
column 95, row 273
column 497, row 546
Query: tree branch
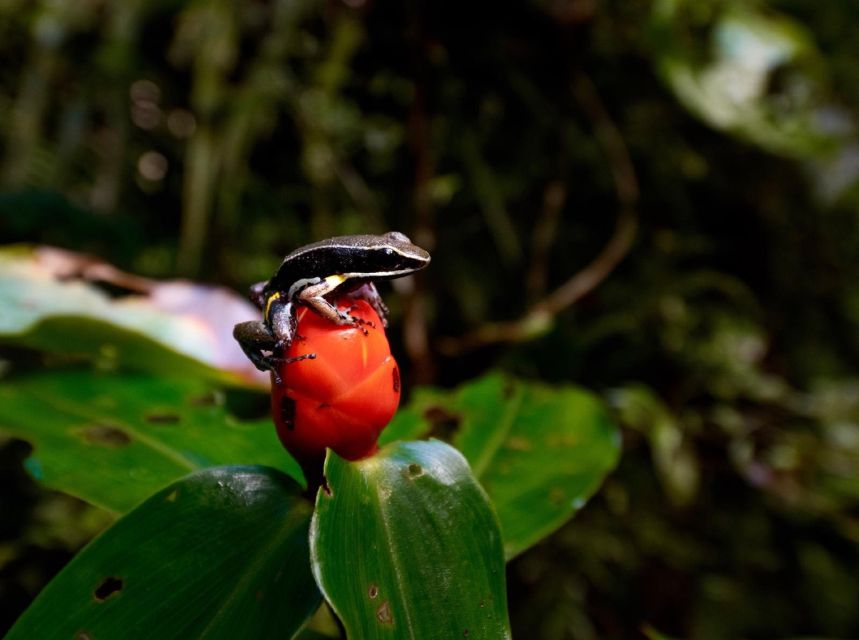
column 540, row 317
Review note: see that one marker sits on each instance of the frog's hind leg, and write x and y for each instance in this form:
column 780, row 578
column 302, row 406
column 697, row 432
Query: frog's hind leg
column 319, row 295
column 254, row 337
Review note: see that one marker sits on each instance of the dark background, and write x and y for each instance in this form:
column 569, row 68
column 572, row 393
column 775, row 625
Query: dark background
column 713, row 262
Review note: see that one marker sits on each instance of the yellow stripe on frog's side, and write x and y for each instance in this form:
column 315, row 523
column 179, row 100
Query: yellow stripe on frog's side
column 268, row 302
column 336, row 280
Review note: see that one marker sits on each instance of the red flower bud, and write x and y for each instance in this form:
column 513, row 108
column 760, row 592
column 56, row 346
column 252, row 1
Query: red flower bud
column 346, row 395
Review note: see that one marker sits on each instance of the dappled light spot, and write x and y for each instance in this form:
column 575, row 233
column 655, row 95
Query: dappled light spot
column 152, row 166
column 162, row 418
column 383, row 613
column 109, row 587
column 384, row 492
column 144, row 91
column 105, row 435
column 181, row 123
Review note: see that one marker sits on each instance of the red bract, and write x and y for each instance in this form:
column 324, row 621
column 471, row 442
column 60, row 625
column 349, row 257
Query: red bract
column 345, row 396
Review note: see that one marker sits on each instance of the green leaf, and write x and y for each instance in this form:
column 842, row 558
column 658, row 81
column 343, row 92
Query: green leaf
column 539, row 451
column 177, row 328
column 405, row 545
column 222, row 553
column 113, row 439
column 760, row 77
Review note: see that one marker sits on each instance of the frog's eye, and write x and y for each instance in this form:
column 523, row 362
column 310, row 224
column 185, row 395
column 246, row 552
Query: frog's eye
column 398, row 237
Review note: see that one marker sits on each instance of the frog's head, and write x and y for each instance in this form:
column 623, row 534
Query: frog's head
column 393, row 255
column 403, row 253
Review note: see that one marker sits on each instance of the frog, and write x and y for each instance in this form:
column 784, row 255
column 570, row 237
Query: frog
column 316, row 275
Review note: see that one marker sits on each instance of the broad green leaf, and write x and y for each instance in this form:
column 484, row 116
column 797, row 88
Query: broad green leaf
column 539, row 451
column 757, row 76
column 405, row 545
column 113, row 439
column 222, row 553
column 176, row 328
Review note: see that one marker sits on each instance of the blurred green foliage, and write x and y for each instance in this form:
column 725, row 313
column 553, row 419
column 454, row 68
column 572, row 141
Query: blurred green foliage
column 206, row 139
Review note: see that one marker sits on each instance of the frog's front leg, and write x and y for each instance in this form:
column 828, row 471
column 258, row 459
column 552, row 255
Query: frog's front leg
column 369, row 293
column 313, row 296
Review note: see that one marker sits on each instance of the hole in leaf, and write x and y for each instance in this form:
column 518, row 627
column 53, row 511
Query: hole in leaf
column 383, row 613
column 444, row 423
column 162, row 418
column 414, row 470
column 108, row 587
column 247, row 405
column 518, row 443
column 373, row 592
column 208, row 399
column 105, row 435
